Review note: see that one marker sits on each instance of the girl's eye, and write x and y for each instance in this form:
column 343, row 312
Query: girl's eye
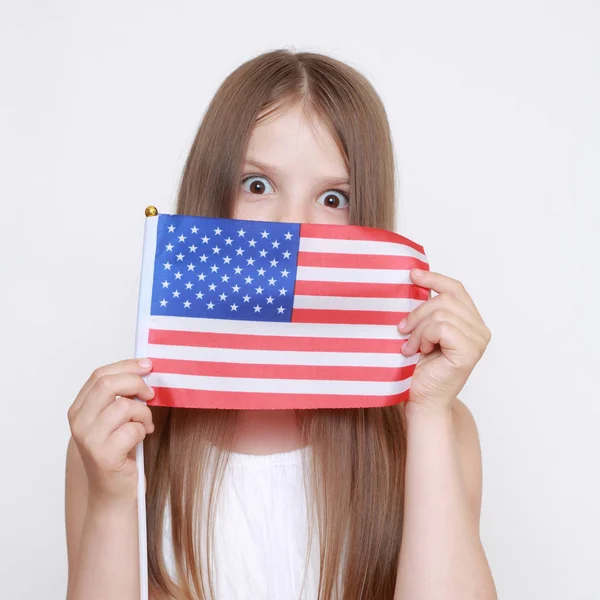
column 333, row 199
column 257, row 185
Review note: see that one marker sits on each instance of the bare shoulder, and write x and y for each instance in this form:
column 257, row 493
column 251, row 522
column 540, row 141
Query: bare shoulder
column 469, row 449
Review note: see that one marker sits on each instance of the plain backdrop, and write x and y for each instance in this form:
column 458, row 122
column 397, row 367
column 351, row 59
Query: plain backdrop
column 494, row 111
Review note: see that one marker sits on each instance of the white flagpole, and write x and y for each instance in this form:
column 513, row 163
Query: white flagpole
column 141, row 347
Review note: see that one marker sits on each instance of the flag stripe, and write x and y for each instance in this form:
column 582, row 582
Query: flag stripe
column 359, row 261
column 295, row 386
column 348, row 303
column 353, row 275
column 243, row 341
column 345, row 232
column 354, row 317
column 268, row 371
column 187, row 398
column 257, row 356
column 365, row 290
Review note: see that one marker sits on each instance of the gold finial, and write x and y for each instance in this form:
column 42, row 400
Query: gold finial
column 151, row 211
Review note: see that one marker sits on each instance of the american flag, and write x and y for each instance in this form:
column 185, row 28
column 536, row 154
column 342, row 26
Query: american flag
column 262, row 315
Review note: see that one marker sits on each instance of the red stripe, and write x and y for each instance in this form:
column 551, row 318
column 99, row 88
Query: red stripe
column 241, row 341
column 347, row 317
column 184, row 398
column 353, row 232
column 257, row 371
column 361, row 290
column 359, row 261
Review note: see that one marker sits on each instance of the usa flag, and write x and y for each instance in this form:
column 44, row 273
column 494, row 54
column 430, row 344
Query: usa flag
column 262, row 315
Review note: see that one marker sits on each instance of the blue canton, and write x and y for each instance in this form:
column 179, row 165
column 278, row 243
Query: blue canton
column 224, row 268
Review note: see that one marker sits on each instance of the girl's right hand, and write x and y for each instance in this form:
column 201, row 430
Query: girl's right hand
column 106, row 425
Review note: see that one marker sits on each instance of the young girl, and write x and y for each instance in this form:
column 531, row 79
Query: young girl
column 356, row 504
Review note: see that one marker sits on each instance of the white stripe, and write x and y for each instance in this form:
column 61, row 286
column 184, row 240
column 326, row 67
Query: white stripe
column 324, row 245
column 279, row 357
column 343, row 303
column 354, row 275
column 380, row 332
column 290, row 386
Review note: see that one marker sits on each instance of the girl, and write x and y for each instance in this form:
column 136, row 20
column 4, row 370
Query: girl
column 358, row 504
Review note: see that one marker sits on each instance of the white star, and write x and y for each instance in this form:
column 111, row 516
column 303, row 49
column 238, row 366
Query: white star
column 218, row 231
column 192, row 248
column 194, row 229
column 263, row 253
column 212, row 287
column 180, row 256
column 274, row 263
column 191, row 267
column 178, row 275
column 237, row 270
column 228, row 241
column 169, row 247
column 214, row 268
column 234, row 307
column 203, row 258
column 165, row 284
column 225, row 278
column 257, row 308
column 285, row 273
column 187, row 303
column 280, row 310
column 276, row 244
column 216, row 250
column 252, row 243
column 189, row 285
column 246, row 298
column 271, row 281
column 205, row 239
column 199, row 295
column 259, row 290
column 270, row 300
column 227, row 259
column 236, row 288
column 182, row 238
column 261, row 271
column 250, row 261
column 163, row 302
column 223, row 296
column 167, row 266
column 265, row 234
column 248, row 279
column 241, row 233
column 171, row 228
column 176, row 294
column 286, row 254
column 288, row 236
column 201, row 277
column 282, row 292
column 210, row 306
column 239, row 251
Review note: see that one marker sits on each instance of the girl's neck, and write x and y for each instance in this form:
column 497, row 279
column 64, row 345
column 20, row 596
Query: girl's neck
column 266, row 432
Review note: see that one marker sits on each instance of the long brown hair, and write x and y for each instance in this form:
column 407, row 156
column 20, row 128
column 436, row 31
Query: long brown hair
column 356, row 470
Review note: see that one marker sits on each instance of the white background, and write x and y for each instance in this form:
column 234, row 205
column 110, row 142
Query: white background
column 494, row 109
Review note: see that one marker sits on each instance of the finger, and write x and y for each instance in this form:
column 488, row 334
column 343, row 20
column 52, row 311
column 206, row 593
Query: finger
column 121, row 442
column 455, row 346
column 103, row 392
column 444, row 302
column 442, row 283
column 122, row 366
column 119, row 412
column 415, row 341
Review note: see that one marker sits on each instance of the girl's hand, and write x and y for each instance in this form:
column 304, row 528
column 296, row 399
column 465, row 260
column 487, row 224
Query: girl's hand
column 106, row 424
column 452, row 337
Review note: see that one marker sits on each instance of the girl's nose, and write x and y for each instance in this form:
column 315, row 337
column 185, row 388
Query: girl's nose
column 294, row 210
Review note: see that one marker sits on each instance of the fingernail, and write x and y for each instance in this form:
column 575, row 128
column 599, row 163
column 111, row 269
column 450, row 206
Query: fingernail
column 402, row 324
column 405, row 346
column 145, row 363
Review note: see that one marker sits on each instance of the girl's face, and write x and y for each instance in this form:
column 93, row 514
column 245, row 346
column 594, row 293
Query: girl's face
column 293, row 173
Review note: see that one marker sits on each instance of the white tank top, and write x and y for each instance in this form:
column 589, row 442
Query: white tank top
column 261, row 531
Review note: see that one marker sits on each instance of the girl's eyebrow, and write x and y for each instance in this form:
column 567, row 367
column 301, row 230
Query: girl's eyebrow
column 343, row 180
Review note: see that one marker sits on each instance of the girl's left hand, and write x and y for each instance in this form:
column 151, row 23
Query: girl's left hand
column 451, row 336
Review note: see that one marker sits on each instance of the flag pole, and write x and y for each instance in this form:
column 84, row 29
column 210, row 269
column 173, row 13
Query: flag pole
column 141, row 344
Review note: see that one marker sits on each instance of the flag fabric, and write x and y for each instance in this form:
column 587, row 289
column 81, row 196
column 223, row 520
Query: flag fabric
column 264, row 315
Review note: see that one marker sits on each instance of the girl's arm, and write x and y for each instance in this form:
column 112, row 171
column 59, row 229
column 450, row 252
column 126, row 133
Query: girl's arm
column 441, row 555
